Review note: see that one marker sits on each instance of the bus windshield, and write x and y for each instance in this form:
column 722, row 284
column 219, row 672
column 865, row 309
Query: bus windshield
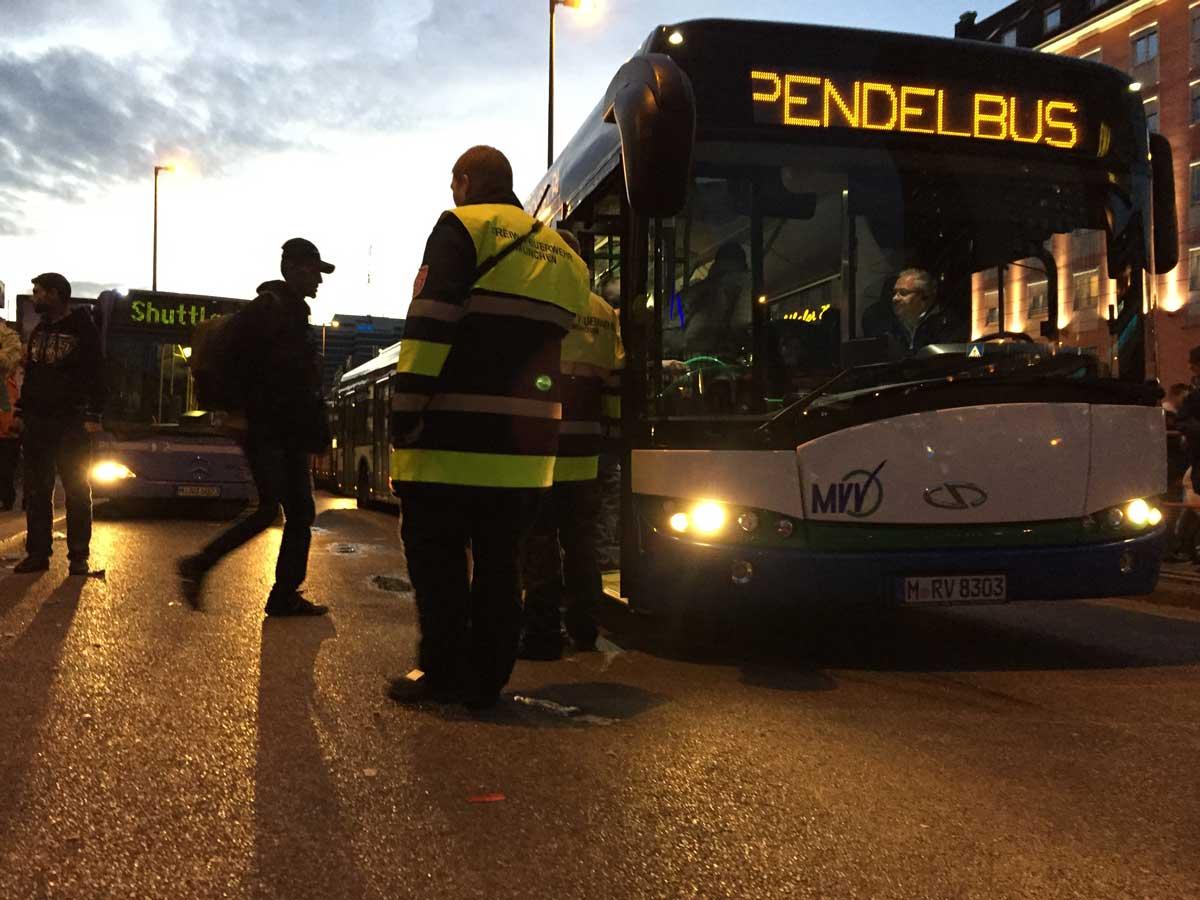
column 149, row 382
column 787, row 257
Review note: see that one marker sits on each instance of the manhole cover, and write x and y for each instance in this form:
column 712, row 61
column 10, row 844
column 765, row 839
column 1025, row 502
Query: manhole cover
column 395, row 583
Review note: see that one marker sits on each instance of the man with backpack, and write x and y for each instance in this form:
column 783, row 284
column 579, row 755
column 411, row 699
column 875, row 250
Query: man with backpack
column 268, row 367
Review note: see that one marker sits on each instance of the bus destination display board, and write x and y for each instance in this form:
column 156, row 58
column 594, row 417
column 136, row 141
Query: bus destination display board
column 816, row 100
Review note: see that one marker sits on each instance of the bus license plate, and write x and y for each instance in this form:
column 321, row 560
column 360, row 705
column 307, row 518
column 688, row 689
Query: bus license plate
column 197, row 490
column 954, row 588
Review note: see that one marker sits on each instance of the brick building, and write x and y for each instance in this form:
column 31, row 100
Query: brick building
column 1158, row 43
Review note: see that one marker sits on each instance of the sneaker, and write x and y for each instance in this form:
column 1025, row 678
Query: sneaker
column 32, row 564
column 293, row 604
column 79, row 567
column 191, row 571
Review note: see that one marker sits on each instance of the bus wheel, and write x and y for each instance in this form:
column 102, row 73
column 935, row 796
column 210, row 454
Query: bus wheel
column 362, row 488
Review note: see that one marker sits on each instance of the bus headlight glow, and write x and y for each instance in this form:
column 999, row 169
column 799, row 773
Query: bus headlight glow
column 679, row 522
column 1139, row 513
column 708, row 517
column 109, row 471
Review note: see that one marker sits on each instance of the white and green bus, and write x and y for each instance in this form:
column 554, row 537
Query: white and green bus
column 748, row 194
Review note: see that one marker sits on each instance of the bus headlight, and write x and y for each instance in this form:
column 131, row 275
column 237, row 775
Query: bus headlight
column 748, row 521
column 1139, row 513
column 109, row 471
column 708, row 517
column 679, row 522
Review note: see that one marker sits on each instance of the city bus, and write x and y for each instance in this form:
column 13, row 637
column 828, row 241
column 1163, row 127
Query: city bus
column 360, row 422
column 156, row 445
column 748, row 194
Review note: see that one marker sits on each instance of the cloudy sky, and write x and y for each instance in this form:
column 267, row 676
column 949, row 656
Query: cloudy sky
column 337, row 120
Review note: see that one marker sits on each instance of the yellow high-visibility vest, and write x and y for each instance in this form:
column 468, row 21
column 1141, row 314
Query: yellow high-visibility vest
column 484, row 373
column 592, row 357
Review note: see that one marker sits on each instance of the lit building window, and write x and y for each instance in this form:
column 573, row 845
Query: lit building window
column 1086, row 290
column 1145, row 46
column 1009, row 38
column 991, row 305
column 1037, row 298
column 1052, row 19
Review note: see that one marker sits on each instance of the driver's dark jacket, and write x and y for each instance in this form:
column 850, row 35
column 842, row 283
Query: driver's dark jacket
column 939, row 326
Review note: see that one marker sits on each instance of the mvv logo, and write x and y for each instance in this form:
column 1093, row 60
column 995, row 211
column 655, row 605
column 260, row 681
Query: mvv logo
column 858, row 494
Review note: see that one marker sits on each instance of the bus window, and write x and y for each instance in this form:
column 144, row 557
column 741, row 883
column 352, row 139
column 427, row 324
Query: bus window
column 149, row 383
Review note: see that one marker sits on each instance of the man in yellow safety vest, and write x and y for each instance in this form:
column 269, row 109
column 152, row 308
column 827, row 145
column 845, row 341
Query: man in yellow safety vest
column 476, row 407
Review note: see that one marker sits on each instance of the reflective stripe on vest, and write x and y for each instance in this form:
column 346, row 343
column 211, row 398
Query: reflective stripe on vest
column 490, row 405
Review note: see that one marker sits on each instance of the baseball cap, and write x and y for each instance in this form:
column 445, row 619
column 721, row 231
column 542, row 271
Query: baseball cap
column 52, row 281
column 301, row 248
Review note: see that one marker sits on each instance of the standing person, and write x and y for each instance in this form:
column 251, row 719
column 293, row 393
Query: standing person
column 57, row 413
column 1187, row 423
column 592, row 356
column 279, row 377
column 1177, row 466
column 475, row 415
column 10, row 440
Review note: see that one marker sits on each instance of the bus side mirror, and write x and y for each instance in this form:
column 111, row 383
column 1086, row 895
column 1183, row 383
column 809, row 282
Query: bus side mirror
column 1166, row 225
column 650, row 100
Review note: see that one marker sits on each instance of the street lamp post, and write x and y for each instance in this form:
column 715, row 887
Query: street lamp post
column 571, row 4
column 154, row 252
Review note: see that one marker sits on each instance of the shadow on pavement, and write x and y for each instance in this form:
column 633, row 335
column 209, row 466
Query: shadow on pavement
column 14, row 587
column 790, row 651
column 28, row 669
column 303, row 847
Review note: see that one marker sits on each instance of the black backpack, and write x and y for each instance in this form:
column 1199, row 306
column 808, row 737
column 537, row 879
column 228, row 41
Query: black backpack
column 214, row 364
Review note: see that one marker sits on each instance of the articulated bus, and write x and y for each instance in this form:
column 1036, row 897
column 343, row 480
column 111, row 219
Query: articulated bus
column 748, row 193
column 156, row 445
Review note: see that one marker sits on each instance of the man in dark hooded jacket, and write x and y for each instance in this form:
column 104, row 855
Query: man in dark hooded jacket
column 58, row 413
column 280, row 372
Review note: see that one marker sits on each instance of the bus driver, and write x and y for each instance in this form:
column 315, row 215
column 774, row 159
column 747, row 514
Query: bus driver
column 914, row 317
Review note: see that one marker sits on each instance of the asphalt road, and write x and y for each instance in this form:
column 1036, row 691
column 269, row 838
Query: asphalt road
column 147, row 750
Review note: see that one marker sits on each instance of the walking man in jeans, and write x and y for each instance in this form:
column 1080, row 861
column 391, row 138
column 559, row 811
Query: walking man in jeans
column 279, row 371
column 58, row 412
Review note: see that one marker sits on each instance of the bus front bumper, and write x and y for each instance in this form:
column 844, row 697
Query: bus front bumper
column 186, row 492
column 685, row 572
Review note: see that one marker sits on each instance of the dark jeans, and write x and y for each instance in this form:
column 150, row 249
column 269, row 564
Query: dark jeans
column 62, row 447
column 566, row 519
column 10, row 452
column 469, row 609
column 283, row 478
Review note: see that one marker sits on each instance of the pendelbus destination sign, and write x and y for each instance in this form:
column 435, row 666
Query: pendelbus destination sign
column 818, row 100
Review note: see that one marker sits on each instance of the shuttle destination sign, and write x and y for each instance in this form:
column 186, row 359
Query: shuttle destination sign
column 814, row 100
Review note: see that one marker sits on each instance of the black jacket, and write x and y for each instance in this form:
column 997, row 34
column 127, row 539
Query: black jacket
column 939, row 326
column 448, row 271
column 64, row 370
column 281, row 368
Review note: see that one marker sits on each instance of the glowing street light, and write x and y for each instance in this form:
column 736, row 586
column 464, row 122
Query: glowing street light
column 586, row 6
column 154, row 263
